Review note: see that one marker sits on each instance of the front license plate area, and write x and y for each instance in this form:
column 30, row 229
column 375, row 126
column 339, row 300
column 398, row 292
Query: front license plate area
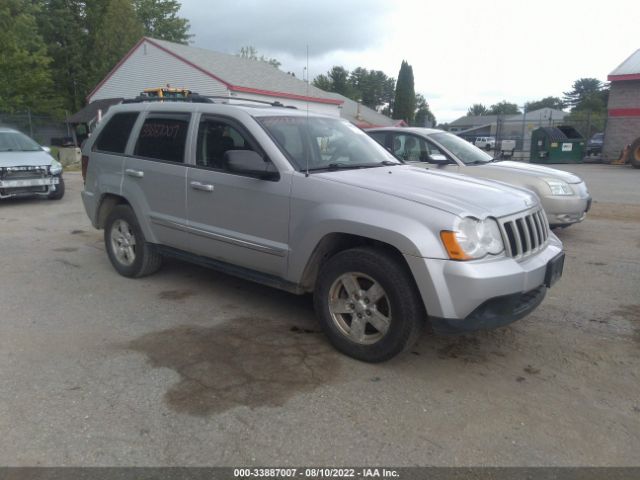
column 35, row 182
column 554, row 270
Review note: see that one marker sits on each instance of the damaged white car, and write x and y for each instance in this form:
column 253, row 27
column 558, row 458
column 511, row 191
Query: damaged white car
column 27, row 169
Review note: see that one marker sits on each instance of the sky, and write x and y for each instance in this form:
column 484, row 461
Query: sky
column 462, row 52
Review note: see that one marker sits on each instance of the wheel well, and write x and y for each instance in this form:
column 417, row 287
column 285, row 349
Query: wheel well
column 108, row 202
column 334, row 243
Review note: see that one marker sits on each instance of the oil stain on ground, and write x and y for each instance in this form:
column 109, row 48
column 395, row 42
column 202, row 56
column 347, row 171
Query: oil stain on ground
column 631, row 313
column 251, row 362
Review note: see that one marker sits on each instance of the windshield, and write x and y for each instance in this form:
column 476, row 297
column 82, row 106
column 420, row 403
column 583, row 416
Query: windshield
column 17, row 142
column 319, row 143
column 467, row 153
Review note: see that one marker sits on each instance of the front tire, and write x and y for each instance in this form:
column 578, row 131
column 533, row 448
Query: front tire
column 368, row 304
column 129, row 252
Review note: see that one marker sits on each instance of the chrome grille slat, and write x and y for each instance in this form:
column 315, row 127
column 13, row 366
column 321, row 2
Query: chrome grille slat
column 525, row 233
column 534, row 230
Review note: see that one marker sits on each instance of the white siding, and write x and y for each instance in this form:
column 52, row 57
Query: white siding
column 148, row 67
column 322, row 108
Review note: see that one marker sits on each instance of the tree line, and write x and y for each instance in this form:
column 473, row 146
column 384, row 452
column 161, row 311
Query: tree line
column 586, row 96
column 374, row 89
column 55, row 51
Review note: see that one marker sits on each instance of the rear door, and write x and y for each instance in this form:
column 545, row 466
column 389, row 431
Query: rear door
column 238, row 219
column 155, row 176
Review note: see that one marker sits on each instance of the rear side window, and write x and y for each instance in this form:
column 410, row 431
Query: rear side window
column 163, row 137
column 115, row 134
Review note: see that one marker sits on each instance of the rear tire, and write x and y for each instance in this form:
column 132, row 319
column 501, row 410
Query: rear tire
column 129, row 252
column 368, row 304
column 59, row 191
column 634, row 153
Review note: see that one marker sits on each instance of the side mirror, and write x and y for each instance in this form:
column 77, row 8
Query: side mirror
column 437, row 159
column 248, row 162
column 46, row 149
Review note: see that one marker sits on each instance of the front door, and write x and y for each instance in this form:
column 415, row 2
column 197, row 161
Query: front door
column 238, row 219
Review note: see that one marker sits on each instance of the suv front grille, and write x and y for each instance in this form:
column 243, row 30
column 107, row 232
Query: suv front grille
column 525, row 234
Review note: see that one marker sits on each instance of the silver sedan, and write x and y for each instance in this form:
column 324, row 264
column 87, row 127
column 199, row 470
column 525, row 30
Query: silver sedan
column 564, row 196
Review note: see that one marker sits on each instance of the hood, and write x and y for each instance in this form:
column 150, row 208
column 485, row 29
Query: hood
column 509, row 169
column 25, row 159
column 456, row 194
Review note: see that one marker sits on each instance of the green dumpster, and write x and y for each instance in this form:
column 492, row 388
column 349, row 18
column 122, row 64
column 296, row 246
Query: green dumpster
column 562, row 144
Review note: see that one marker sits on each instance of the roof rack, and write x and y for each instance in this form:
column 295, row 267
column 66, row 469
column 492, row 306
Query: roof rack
column 243, row 99
column 191, row 98
column 197, row 98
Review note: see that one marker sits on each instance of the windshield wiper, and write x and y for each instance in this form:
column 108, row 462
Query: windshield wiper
column 345, row 166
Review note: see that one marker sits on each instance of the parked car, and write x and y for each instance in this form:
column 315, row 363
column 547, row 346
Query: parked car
column 308, row 203
column 27, row 169
column 564, row 196
column 486, row 143
column 594, row 145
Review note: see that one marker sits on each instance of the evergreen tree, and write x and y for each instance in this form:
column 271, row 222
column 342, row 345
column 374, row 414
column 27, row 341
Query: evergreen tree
column 404, row 105
column 587, row 94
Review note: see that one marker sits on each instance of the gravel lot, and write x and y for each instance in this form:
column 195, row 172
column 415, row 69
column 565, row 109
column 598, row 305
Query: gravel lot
column 192, row 367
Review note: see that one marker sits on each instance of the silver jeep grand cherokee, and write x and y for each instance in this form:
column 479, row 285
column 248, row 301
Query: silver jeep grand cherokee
column 309, row 203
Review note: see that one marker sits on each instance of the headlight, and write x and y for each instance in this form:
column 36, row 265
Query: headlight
column 473, row 239
column 56, row 167
column 559, row 187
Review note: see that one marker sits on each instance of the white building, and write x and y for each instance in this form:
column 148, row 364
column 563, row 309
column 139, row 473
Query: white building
column 156, row 63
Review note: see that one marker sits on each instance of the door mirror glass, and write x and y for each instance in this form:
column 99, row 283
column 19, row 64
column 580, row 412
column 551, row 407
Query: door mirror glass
column 437, row 158
column 248, row 162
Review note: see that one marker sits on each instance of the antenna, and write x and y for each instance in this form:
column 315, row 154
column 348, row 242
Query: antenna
column 307, row 173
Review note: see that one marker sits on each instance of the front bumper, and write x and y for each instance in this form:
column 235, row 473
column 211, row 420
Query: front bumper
column 455, row 291
column 570, row 209
column 28, row 186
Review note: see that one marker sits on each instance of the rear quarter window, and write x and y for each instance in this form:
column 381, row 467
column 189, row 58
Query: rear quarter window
column 115, row 134
column 163, row 137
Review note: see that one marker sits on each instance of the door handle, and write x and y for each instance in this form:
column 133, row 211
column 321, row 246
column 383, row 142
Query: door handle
column 134, row 173
column 205, row 187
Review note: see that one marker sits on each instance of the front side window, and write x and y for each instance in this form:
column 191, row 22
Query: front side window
column 409, row 148
column 163, row 136
column 115, row 134
column 319, row 143
column 215, row 138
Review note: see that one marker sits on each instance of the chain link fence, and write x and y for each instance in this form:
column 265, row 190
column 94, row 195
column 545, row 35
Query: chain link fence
column 508, row 130
column 44, row 129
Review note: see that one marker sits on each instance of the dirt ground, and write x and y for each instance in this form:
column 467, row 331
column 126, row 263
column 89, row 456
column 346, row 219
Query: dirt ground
column 192, row 367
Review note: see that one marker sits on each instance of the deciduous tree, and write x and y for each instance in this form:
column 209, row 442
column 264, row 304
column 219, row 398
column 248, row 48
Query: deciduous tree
column 25, row 75
column 160, row 20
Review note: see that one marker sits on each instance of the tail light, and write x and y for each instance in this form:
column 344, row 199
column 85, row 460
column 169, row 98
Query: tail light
column 85, row 164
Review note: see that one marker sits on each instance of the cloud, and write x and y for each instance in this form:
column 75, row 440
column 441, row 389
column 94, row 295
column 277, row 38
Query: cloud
column 279, row 26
